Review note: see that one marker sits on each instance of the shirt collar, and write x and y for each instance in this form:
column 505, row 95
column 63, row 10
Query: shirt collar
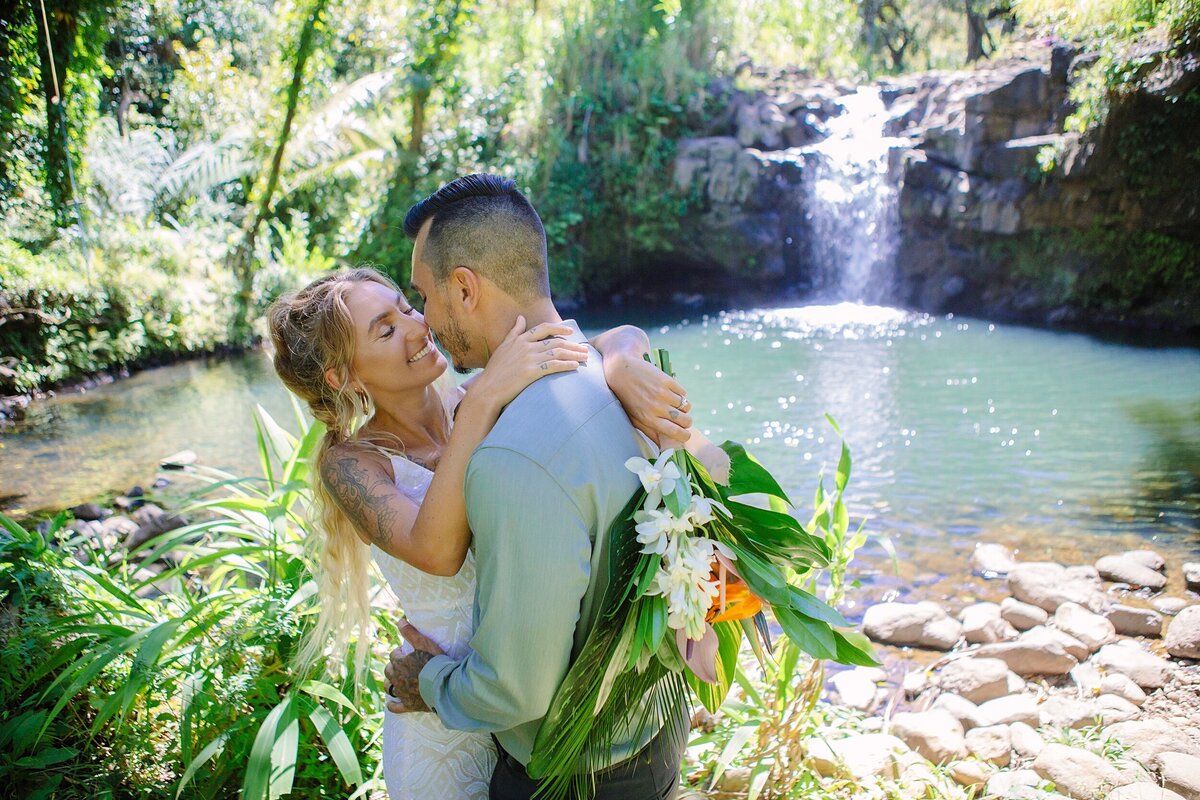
column 576, row 335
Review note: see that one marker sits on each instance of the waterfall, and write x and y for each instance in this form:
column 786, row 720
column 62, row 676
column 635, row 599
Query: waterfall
column 851, row 204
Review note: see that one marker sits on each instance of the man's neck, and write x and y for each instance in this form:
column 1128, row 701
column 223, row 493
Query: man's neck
column 535, row 313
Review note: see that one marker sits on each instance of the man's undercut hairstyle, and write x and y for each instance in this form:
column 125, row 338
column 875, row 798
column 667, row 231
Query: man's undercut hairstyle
column 484, row 223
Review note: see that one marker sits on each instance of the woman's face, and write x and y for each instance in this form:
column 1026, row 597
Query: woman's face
column 393, row 351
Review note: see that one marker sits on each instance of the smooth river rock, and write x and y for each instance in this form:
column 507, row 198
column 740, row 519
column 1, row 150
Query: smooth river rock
column 1181, row 774
column 1148, row 558
column 1145, row 669
column 992, row 743
column 1010, row 709
column 855, row 689
column 1169, row 605
column 1124, row 569
column 1076, row 772
column 1183, row 634
column 1090, row 628
column 1039, row 651
column 1130, row 621
column 977, row 679
column 1048, row 585
column 935, row 734
column 1191, row 575
column 1022, row 616
column 1026, row 741
column 992, row 560
column 982, row 624
column 959, row 707
column 1148, row 739
column 863, row 755
column 1118, row 685
column 922, row 624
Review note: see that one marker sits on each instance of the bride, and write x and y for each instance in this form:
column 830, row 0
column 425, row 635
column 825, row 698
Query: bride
column 389, row 478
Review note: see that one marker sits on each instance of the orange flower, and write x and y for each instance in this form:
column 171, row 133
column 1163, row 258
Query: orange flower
column 735, row 601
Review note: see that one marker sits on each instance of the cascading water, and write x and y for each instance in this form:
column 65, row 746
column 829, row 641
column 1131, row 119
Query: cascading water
column 851, row 203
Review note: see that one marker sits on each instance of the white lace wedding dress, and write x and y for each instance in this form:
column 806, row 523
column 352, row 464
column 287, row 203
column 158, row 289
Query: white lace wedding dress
column 422, row 759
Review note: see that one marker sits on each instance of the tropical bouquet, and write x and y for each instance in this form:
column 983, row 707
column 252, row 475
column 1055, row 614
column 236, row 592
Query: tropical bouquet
column 693, row 565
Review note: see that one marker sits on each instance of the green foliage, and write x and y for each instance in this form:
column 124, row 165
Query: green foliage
column 118, row 682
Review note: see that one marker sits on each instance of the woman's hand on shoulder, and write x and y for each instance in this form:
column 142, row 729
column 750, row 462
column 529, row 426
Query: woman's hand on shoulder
column 656, row 403
column 522, row 358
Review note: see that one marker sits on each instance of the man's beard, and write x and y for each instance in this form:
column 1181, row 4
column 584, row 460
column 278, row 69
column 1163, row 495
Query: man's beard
column 453, row 339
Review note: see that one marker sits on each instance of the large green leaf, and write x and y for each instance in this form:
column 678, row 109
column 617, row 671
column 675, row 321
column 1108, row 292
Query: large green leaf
column 271, row 767
column 748, row 476
column 338, row 743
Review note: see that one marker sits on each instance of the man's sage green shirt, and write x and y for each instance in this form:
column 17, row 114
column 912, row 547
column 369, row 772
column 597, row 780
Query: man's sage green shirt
column 542, row 490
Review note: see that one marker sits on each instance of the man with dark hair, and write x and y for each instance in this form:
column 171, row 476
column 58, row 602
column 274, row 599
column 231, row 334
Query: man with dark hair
column 542, row 491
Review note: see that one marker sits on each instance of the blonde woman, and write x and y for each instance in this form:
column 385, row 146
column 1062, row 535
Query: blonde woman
column 389, row 482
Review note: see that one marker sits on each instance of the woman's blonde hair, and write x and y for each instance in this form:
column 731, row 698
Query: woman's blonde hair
column 313, row 335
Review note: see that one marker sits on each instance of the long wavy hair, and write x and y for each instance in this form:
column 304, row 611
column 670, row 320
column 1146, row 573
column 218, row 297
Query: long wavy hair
column 313, row 334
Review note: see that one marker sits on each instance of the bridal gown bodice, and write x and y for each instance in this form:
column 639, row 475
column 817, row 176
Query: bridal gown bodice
column 421, row 757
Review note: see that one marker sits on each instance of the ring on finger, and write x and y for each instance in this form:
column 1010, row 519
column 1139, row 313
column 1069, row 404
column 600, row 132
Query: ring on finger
column 685, row 405
column 682, row 400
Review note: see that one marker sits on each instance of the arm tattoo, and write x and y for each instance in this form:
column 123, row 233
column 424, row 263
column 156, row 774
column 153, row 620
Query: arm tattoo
column 362, row 498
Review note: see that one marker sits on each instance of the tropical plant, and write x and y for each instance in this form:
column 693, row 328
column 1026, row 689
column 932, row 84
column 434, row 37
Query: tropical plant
column 179, row 682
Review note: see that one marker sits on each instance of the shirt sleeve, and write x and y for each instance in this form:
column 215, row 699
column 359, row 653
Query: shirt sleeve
column 533, row 563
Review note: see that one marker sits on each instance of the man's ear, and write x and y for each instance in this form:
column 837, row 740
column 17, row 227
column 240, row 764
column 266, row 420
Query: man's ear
column 464, row 286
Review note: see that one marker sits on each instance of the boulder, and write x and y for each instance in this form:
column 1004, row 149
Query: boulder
column 992, row 743
column 970, row 773
column 982, row 624
column 1183, row 634
column 992, row 560
column 1036, row 652
column 977, row 679
column 855, row 689
column 1148, row 739
column 1087, row 627
column 1169, row 605
column 1022, row 616
column 1147, row 558
column 1142, row 790
column 934, row 734
column 1076, row 772
column 1123, row 569
column 962, row 709
column 1145, row 669
column 1010, row 709
column 922, row 624
column 1181, row 774
column 863, row 756
column 1026, row 741
column 1130, row 621
column 1191, row 575
column 1048, row 585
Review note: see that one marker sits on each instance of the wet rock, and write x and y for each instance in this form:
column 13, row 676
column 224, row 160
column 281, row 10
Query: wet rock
column 1130, row 621
column 992, row 743
column 976, row 679
column 1010, row 709
column 178, row 460
column 1169, row 605
column 1048, row 585
column 1076, row 772
column 1148, row 739
column 855, row 689
column 914, row 624
column 1181, row 774
column 982, row 624
column 1147, row 558
column 1145, row 669
column 1022, row 616
column 90, row 512
column 992, row 560
column 1026, row 741
column 934, row 734
column 863, row 756
column 1038, row 651
column 1091, row 629
column 1123, row 569
column 1142, row 790
column 970, row 773
column 962, row 709
column 1183, row 634
column 1191, row 575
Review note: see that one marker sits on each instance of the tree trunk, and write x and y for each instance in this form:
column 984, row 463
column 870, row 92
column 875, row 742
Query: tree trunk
column 976, row 32
column 244, row 266
column 55, row 63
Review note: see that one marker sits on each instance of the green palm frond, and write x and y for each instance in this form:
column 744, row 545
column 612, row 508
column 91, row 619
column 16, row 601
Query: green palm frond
column 205, row 166
column 124, row 169
column 337, row 127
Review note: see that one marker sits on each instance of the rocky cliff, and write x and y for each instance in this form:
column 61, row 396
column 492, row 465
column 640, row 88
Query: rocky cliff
column 1001, row 212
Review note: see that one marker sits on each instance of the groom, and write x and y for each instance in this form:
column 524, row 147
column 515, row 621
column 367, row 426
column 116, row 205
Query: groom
column 541, row 491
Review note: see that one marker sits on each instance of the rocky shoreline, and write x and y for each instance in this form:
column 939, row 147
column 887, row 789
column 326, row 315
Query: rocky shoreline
column 1083, row 683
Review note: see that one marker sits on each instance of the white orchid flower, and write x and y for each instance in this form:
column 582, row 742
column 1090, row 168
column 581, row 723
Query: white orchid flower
column 702, row 510
column 654, row 530
column 658, row 478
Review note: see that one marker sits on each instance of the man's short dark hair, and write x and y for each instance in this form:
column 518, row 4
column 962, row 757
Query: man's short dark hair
column 485, row 223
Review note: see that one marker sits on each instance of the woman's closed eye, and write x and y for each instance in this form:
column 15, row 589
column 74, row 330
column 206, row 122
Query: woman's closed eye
column 387, row 332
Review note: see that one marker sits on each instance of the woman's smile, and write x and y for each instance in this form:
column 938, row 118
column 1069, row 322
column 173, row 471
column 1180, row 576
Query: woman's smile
column 424, row 351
